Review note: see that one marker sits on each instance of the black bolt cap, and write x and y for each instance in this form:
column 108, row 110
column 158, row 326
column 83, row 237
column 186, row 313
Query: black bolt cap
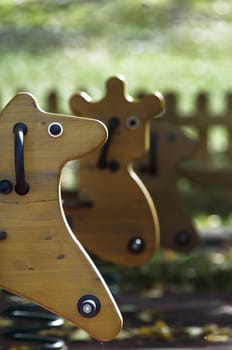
column 5, row 186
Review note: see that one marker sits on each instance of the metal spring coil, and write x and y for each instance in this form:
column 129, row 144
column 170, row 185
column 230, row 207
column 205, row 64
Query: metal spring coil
column 27, row 333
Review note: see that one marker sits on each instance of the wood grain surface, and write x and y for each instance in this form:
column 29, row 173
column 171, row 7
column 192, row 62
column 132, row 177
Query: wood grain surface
column 169, row 146
column 121, row 211
column 41, row 259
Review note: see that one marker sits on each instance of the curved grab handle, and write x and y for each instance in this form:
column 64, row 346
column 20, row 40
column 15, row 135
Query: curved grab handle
column 21, row 187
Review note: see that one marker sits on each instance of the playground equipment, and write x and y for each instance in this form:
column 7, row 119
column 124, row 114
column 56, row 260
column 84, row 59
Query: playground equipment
column 41, row 259
column 113, row 214
column 158, row 169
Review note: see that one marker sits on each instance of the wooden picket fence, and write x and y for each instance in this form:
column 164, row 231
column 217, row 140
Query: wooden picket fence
column 202, row 121
column 210, row 170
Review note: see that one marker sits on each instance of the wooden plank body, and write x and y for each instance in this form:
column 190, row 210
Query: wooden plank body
column 159, row 172
column 122, row 209
column 41, row 259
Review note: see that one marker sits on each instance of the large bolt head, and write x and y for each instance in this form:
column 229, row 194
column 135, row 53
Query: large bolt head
column 88, row 306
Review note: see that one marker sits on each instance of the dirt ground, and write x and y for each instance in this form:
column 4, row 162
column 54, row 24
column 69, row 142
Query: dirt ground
column 171, row 321
column 153, row 319
column 185, row 321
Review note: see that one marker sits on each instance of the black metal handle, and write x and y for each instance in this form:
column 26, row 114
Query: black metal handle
column 102, row 161
column 21, row 186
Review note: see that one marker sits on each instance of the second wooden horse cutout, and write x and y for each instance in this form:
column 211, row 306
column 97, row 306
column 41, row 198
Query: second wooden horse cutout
column 41, row 259
column 115, row 218
column 169, row 146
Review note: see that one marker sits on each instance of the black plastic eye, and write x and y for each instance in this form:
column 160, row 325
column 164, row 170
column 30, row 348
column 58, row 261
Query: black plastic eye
column 132, row 122
column 55, row 129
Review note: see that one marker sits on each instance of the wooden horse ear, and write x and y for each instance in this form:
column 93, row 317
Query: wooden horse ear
column 153, row 105
column 158, row 169
column 148, row 106
column 116, row 87
column 25, row 98
column 78, row 101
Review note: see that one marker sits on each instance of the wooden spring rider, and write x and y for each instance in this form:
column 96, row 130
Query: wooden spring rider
column 169, row 146
column 114, row 216
column 41, row 260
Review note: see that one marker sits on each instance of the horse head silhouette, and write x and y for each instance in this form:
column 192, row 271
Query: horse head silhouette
column 169, row 146
column 120, row 223
column 41, row 259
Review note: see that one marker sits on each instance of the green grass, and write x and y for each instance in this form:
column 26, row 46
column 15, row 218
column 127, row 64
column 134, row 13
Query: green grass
column 83, row 69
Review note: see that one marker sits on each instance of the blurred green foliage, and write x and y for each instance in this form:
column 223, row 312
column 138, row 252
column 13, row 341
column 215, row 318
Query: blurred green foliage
column 170, row 272
column 164, row 45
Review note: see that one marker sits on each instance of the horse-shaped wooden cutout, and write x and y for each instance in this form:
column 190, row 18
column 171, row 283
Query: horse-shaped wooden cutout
column 115, row 218
column 169, row 146
column 41, row 259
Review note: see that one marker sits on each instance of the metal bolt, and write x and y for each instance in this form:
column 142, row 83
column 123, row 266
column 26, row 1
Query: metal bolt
column 183, row 238
column 114, row 165
column 88, row 306
column 3, row 235
column 55, row 129
column 136, row 245
column 5, row 186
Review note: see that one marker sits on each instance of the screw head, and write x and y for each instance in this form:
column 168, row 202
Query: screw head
column 3, row 235
column 136, row 245
column 5, row 186
column 88, row 306
column 55, row 129
column 183, row 238
column 114, row 122
column 114, row 165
